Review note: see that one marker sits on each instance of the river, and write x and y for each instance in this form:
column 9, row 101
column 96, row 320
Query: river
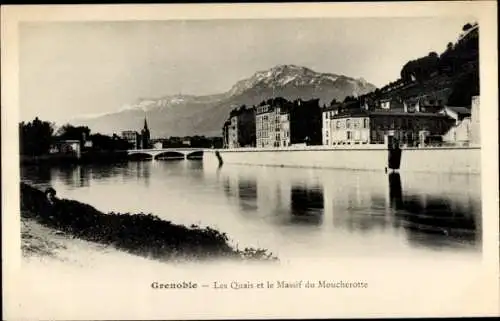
column 294, row 213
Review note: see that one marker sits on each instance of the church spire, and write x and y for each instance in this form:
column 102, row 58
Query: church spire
column 145, row 123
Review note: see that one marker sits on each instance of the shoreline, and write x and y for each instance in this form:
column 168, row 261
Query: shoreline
column 46, row 229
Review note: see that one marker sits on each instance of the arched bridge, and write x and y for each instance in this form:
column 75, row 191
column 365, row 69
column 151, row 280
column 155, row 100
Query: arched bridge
column 169, row 153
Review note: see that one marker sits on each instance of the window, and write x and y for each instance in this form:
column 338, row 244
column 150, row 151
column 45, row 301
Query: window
column 365, row 123
column 338, row 124
column 348, row 123
column 327, row 142
column 349, row 135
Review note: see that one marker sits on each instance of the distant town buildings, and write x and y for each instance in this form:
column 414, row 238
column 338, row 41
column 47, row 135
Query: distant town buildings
column 66, row 147
column 132, row 137
column 136, row 140
column 145, row 136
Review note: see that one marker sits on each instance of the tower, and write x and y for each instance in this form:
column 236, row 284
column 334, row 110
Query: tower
column 145, row 135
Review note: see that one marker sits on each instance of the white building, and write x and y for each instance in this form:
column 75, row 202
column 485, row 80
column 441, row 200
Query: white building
column 475, row 121
column 327, row 128
column 350, row 129
column 460, row 133
column 272, row 126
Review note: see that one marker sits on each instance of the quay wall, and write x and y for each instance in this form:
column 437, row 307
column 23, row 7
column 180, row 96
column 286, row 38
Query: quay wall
column 464, row 160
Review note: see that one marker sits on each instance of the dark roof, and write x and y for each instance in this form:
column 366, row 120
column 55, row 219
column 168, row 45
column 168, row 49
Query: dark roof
column 331, row 107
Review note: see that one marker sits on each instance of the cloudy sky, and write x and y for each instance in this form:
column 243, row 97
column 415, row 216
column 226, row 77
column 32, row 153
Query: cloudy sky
column 77, row 68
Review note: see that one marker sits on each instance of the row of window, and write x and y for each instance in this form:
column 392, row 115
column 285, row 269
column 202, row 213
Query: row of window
column 383, row 123
column 350, row 123
column 265, row 134
column 283, row 143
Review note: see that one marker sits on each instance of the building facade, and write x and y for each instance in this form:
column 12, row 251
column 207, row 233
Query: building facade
column 390, row 103
column 66, row 147
column 326, row 129
column 305, row 122
column 239, row 130
column 372, row 127
column 132, row 137
column 272, row 125
column 225, row 134
column 460, row 132
column 475, row 121
column 136, row 140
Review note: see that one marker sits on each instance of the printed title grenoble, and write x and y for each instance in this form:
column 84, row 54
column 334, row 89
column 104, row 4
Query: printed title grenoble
column 236, row 285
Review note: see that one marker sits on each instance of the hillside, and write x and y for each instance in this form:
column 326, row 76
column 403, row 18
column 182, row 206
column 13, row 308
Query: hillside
column 452, row 76
column 184, row 115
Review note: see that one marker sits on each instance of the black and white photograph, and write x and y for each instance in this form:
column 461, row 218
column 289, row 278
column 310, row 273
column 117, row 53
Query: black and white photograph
column 294, row 165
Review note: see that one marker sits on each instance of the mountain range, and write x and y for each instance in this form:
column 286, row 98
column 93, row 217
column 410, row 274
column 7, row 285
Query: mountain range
column 188, row 115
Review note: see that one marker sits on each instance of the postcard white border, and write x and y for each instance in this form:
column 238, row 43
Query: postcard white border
column 397, row 288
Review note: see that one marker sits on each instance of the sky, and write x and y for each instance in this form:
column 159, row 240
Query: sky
column 70, row 69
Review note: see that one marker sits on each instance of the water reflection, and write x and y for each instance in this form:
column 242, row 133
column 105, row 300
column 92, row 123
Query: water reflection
column 307, row 204
column 247, row 193
column 359, row 204
column 143, row 171
column 351, row 211
column 431, row 220
column 38, row 175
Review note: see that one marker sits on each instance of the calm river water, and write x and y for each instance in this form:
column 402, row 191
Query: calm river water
column 294, row 213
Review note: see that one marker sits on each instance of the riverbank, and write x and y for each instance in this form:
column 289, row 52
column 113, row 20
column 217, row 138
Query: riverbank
column 140, row 234
column 41, row 244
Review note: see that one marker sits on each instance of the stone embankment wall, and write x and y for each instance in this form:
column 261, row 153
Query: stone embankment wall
column 464, row 160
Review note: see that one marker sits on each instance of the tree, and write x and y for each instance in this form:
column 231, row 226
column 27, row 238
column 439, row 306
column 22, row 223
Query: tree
column 69, row 131
column 463, row 89
column 35, row 137
column 349, row 98
column 108, row 143
column 466, row 27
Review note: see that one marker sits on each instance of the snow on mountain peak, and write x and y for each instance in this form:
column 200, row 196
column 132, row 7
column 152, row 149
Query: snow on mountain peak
column 287, row 75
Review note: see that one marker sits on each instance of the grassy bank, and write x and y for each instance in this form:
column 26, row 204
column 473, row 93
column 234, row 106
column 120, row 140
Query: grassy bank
column 140, row 234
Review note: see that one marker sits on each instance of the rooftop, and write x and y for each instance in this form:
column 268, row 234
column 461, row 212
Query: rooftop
column 459, row 110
